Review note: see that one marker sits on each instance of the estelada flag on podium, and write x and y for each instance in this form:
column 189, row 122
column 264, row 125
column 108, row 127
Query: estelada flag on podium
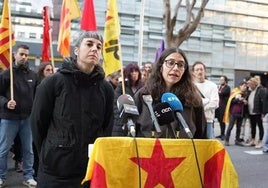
column 163, row 163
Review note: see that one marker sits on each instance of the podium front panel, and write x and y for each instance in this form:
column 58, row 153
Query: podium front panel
column 120, row 162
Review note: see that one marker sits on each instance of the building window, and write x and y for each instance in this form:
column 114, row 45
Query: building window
column 32, row 35
column 21, row 34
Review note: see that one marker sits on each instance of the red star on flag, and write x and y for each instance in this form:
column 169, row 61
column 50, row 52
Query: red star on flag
column 158, row 167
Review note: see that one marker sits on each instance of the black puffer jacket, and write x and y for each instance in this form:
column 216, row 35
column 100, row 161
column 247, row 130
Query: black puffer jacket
column 259, row 98
column 70, row 111
column 24, row 86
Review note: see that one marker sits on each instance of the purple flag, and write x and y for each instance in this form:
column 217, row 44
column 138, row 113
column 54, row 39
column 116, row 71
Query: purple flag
column 160, row 50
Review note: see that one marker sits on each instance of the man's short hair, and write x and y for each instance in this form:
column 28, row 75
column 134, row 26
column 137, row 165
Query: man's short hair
column 23, row 46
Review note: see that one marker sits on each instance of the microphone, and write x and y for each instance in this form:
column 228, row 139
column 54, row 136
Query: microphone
column 177, row 107
column 163, row 113
column 127, row 112
column 165, row 116
column 149, row 101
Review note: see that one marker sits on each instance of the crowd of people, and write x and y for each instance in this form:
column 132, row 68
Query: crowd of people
column 51, row 117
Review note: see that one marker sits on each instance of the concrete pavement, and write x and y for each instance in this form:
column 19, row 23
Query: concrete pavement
column 250, row 163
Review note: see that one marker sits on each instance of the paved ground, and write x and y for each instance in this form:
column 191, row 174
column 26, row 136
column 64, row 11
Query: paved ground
column 250, row 163
column 14, row 179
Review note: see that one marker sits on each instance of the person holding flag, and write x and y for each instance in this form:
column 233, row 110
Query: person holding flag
column 234, row 112
column 15, row 112
column 72, row 108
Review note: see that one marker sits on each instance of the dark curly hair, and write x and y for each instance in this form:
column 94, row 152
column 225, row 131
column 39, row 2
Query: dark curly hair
column 127, row 74
column 184, row 89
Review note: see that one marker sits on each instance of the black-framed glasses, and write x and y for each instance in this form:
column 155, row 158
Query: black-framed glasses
column 170, row 63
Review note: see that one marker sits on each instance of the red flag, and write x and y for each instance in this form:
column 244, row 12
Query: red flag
column 46, row 36
column 5, row 32
column 88, row 21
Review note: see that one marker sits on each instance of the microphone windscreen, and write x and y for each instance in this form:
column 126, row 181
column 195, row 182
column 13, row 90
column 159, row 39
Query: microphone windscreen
column 124, row 99
column 130, row 109
column 163, row 113
column 173, row 101
column 147, row 98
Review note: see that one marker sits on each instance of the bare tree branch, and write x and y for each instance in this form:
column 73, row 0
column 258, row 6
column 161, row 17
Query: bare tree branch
column 190, row 24
column 176, row 10
column 167, row 19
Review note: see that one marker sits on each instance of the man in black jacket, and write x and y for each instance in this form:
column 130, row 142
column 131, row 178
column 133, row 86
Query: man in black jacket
column 72, row 108
column 15, row 112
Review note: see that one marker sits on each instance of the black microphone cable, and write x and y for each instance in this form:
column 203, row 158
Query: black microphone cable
column 176, row 105
column 196, row 159
column 138, row 159
column 197, row 164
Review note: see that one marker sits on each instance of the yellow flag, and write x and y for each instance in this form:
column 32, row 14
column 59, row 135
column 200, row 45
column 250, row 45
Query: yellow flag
column 5, row 32
column 111, row 48
column 226, row 115
column 114, row 162
column 69, row 11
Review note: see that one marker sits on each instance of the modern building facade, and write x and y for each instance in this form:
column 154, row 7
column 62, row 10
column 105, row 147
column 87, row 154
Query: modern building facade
column 232, row 38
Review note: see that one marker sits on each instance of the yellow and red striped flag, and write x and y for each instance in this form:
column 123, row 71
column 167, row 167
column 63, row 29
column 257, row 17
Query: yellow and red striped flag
column 112, row 48
column 5, row 32
column 114, row 162
column 70, row 10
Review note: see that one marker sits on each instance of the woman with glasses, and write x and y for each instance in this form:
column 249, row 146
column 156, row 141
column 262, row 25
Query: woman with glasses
column 171, row 74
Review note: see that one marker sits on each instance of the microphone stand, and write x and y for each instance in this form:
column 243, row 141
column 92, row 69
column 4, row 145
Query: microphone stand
column 170, row 131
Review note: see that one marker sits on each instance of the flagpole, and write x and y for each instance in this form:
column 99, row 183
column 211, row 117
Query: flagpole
column 121, row 62
column 141, row 33
column 50, row 40
column 10, row 52
column 122, row 70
